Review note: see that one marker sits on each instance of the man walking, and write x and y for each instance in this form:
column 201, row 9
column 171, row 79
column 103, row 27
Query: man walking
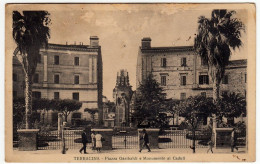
column 145, row 139
column 84, row 141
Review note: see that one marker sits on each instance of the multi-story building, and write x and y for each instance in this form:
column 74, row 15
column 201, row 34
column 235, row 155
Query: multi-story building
column 182, row 73
column 122, row 95
column 66, row 72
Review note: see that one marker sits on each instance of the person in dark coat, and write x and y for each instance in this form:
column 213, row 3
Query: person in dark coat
column 145, row 139
column 84, row 141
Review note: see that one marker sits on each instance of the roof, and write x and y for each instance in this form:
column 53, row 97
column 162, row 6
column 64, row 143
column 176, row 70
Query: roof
column 72, row 47
column 167, row 49
column 242, row 63
column 237, row 62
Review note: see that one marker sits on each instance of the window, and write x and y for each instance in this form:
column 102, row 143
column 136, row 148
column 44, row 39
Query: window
column 75, row 96
column 225, row 79
column 204, row 62
column 36, row 78
column 14, row 77
column 76, row 79
column 39, row 58
column 245, row 78
column 163, row 62
column 36, row 95
column 56, row 79
column 56, row 95
column 76, row 61
column 183, row 96
column 56, row 60
column 163, row 80
column 14, row 94
column 183, row 80
column 204, row 94
column 183, row 62
column 203, row 79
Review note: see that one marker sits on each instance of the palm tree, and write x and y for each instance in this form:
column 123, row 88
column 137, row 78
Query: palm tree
column 30, row 33
column 214, row 41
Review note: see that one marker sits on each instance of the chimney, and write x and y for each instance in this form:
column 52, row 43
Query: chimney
column 94, row 41
column 146, row 43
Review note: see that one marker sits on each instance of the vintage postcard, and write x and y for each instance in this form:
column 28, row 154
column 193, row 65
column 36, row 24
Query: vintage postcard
column 130, row 82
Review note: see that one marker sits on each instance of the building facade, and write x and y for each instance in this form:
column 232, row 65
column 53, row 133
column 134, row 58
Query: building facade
column 66, row 72
column 182, row 73
column 122, row 94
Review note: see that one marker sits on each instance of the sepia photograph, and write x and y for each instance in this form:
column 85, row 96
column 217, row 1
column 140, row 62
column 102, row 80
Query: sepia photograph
column 162, row 82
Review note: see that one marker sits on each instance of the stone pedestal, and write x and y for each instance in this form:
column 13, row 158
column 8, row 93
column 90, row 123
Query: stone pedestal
column 223, row 137
column 153, row 135
column 27, row 139
column 107, row 135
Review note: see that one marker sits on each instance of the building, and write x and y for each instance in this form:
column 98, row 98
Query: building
column 108, row 112
column 122, row 94
column 66, row 72
column 182, row 73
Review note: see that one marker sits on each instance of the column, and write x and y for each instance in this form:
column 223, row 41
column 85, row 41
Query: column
column 45, row 68
column 95, row 70
column 90, row 70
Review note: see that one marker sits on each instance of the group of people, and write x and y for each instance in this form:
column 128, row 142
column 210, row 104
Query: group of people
column 96, row 141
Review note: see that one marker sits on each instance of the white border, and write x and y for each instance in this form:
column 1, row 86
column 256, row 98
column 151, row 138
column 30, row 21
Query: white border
column 2, row 52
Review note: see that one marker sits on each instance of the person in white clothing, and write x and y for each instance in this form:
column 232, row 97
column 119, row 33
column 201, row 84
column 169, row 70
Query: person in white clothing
column 98, row 142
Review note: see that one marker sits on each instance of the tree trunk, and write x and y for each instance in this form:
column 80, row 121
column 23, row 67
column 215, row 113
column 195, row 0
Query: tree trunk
column 193, row 140
column 215, row 99
column 66, row 117
column 28, row 100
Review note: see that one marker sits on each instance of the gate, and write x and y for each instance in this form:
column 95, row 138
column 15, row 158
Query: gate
column 183, row 139
column 125, row 140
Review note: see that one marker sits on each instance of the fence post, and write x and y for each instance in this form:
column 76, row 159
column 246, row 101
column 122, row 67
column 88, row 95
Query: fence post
column 107, row 135
column 27, row 139
column 60, row 125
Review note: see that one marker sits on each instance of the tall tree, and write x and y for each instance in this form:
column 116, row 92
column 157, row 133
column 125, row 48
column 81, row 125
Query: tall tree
column 214, row 41
column 231, row 105
column 149, row 102
column 30, row 33
column 92, row 112
column 193, row 109
column 66, row 106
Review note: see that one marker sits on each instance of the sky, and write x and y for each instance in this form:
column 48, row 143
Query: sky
column 120, row 29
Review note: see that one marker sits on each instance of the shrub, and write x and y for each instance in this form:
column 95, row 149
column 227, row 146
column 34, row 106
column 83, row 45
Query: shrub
column 183, row 125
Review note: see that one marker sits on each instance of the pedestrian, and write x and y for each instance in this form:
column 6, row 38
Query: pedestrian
column 145, row 138
column 93, row 140
column 84, row 141
column 211, row 145
column 99, row 139
column 234, row 141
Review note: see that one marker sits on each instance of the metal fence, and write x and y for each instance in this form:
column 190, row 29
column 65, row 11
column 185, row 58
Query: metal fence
column 183, row 139
column 124, row 141
column 167, row 139
column 53, row 140
column 240, row 138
